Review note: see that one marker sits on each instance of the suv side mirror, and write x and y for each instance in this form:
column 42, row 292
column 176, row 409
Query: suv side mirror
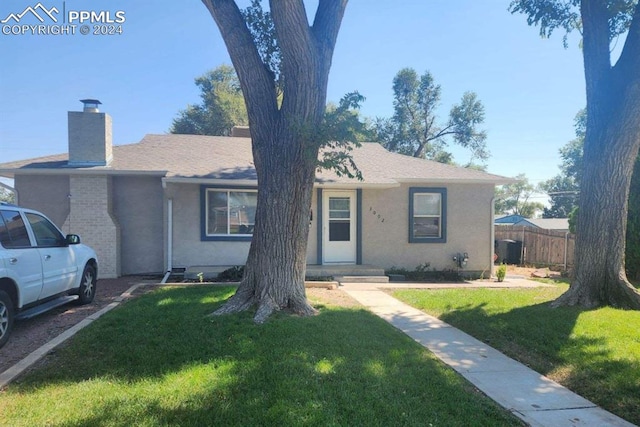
column 73, row 239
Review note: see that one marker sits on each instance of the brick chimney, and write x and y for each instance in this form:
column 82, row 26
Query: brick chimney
column 91, row 207
column 90, row 138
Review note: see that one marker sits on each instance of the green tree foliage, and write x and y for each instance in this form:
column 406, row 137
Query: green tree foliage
column 7, row 196
column 573, row 219
column 550, row 15
column 343, row 121
column 563, row 194
column 513, row 199
column 571, row 153
column 221, row 107
column 264, row 34
column 611, row 140
column 341, row 131
column 564, row 189
column 414, row 129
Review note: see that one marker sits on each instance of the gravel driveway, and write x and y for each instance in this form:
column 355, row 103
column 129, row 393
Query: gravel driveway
column 28, row 335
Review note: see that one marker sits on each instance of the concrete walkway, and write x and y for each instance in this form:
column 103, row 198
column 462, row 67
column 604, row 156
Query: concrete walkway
column 530, row 396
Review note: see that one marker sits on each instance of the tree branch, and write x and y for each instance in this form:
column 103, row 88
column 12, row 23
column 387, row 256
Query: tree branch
column 295, row 38
column 292, row 28
column 256, row 81
column 629, row 62
column 430, row 123
column 297, row 55
column 425, row 137
column 418, row 152
column 327, row 23
column 597, row 61
column 443, row 132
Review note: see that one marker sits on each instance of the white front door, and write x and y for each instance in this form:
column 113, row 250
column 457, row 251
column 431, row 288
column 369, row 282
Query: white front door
column 339, row 227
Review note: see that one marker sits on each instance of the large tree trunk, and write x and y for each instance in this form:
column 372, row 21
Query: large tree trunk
column 600, row 277
column 275, row 269
column 610, row 150
column 285, row 145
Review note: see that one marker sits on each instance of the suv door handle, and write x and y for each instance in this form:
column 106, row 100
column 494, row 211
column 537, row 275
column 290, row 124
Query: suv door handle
column 47, row 257
column 13, row 260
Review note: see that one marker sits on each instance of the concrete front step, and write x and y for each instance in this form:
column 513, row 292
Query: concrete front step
column 339, row 273
column 361, row 279
column 343, row 270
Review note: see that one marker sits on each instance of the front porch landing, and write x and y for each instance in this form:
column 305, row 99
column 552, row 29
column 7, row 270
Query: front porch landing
column 348, row 273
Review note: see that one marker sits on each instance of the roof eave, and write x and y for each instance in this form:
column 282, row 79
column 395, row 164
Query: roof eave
column 11, row 173
column 211, row 181
column 486, row 181
column 357, row 184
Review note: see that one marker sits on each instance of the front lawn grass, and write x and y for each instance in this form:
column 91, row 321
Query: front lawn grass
column 595, row 353
column 159, row 360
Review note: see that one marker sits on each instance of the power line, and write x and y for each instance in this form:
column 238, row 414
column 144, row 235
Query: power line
column 560, row 193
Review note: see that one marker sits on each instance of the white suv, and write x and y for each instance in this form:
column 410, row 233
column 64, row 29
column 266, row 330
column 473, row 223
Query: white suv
column 40, row 268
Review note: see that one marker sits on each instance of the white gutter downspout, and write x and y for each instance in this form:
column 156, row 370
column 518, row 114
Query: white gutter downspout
column 169, row 240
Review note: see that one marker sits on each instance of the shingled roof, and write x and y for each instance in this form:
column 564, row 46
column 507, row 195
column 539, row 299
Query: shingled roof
column 196, row 157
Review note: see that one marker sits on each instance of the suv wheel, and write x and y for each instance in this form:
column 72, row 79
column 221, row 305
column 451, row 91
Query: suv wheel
column 88, row 285
column 6, row 317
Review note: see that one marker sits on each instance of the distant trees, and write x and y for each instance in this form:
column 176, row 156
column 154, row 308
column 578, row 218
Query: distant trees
column 7, row 196
column 564, row 188
column 513, row 199
column 415, row 130
column 221, row 107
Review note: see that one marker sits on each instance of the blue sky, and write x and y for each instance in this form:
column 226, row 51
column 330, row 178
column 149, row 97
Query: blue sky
column 531, row 87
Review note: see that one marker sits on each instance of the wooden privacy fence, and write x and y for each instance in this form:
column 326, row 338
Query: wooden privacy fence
column 528, row 245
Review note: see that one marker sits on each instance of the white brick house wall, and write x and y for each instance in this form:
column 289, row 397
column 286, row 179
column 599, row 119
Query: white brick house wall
column 90, row 216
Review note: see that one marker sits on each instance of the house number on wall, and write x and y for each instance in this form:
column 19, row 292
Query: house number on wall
column 375, row 213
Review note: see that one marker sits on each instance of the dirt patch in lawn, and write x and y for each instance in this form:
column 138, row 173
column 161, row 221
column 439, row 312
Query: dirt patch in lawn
column 331, row 297
column 515, row 270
